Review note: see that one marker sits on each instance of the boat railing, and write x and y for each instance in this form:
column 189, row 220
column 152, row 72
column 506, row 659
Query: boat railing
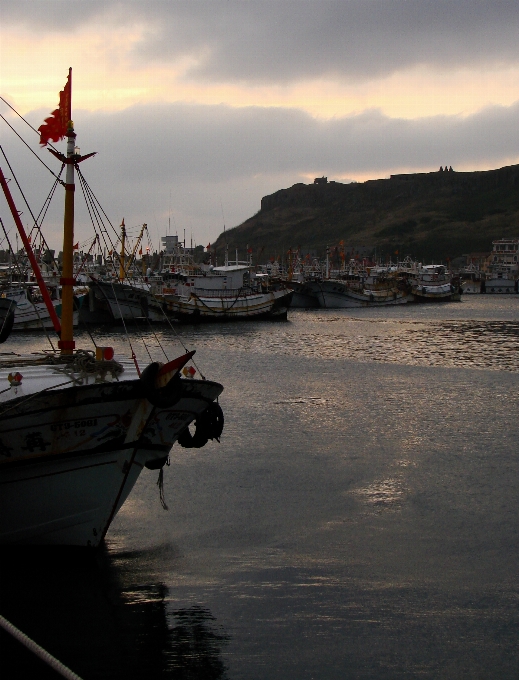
column 221, row 292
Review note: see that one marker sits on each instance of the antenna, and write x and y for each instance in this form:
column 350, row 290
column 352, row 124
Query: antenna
column 223, row 219
column 169, row 216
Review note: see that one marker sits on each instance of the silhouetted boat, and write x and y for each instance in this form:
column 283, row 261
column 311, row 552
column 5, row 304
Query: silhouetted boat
column 76, row 426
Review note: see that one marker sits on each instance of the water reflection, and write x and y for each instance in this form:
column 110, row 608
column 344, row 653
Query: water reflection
column 194, row 649
column 102, row 619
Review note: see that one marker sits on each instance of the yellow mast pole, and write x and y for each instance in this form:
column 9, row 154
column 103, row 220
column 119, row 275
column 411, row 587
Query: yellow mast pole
column 66, row 343
column 121, row 258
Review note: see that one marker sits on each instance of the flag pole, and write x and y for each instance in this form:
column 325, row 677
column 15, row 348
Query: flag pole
column 66, row 343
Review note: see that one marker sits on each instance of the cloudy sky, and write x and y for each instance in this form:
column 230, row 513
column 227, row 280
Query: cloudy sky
column 197, row 109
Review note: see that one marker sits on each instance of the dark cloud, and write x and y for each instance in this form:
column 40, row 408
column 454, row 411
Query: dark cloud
column 52, row 15
column 267, row 41
column 350, row 39
column 214, row 143
column 201, row 160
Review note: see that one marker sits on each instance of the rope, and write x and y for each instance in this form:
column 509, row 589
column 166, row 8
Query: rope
column 39, row 651
column 35, row 154
column 225, row 310
column 160, row 484
column 83, row 362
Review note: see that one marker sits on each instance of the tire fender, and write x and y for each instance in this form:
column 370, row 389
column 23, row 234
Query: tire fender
column 208, row 425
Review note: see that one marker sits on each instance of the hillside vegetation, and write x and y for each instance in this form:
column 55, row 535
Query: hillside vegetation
column 429, row 216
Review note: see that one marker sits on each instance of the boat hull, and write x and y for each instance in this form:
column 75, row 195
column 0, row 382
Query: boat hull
column 33, row 316
column 500, row 287
column 439, row 293
column 118, row 302
column 271, row 305
column 69, row 458
column 336, row 295
column 303, row 297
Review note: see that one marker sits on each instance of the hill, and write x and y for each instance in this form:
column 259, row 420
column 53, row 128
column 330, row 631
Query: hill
column 430, row 216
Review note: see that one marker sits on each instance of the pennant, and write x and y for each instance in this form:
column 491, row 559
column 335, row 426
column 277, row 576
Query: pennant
column 76, row 247
column 140, row 251
column 208, row 246
column 55, row 126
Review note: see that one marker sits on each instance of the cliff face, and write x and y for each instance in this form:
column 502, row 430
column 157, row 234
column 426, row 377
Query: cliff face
column 427, row 215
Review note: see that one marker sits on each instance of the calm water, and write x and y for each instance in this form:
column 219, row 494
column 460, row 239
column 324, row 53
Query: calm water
column 358, row 520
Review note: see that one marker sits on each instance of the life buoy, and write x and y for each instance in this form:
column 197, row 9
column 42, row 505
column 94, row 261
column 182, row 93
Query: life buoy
column 162, row 397
column 208, row 425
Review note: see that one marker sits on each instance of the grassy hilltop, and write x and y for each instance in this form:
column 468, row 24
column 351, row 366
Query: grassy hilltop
column 430, row 216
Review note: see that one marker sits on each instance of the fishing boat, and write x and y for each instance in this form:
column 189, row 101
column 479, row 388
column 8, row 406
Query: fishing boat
column 500, row 282
column 472, row 280
column 77, row 426
column 113, row 302
column 31, row 312
column 336, row 294
column 300, row 272
column 232, row 292
column 123, row 298
column 304, row 296
column 356, row 286
column 432, row 283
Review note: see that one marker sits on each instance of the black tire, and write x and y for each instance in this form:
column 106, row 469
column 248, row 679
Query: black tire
column 208, row 425
column 196, row 440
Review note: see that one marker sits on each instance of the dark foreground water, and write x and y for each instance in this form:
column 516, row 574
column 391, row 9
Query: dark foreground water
column 358, row 520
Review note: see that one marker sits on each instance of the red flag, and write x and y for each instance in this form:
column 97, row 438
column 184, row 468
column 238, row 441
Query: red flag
column 55, row 127
column 76, row 247
column 140, row 251
column 208, row 246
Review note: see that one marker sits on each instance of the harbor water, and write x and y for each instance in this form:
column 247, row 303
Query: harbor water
column 358, row 519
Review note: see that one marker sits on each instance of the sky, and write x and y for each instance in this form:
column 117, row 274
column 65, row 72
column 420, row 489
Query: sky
column 197, row 109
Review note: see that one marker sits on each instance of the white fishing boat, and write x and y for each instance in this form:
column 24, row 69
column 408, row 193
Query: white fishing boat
column 230, row 292
column 77, row 427
column 432, row 283
column 500, row 283
column 472, row 280
column 503, row 270
column 31, row 312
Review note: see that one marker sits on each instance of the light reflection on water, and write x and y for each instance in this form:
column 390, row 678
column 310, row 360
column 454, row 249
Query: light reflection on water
column 359, row 518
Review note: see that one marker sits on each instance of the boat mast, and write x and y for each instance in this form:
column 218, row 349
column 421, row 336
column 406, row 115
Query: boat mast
column 66, row 343
column 121, row 257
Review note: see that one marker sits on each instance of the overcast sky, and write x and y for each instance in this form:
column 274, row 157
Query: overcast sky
column 198, row 109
